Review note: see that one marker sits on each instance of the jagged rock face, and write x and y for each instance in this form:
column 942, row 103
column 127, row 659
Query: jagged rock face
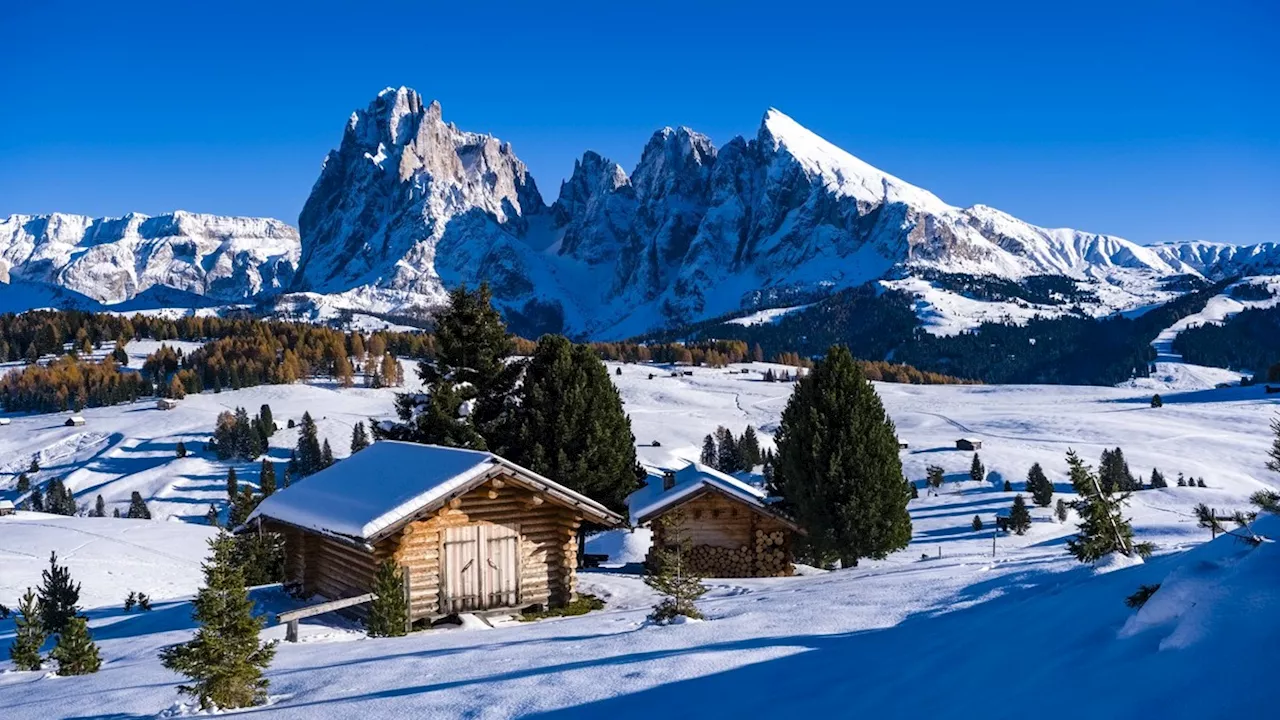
column 410, row 205
column 387, row 195
column 112, row 260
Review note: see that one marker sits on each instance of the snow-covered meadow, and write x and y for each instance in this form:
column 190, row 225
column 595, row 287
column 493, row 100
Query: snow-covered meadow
column 942, row 628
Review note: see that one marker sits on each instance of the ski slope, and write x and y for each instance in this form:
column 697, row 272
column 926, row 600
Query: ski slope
column 984, row 630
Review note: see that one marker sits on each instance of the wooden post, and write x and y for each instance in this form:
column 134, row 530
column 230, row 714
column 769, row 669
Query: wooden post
column 994, row 532
column 408, row 600
column 291, row 631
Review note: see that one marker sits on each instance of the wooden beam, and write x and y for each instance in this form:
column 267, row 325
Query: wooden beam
column 324, row 607
column 493, row 494
column 498, row 483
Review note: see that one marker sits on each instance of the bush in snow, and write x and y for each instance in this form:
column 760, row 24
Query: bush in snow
column 388, row 613
column 1143, row 594
column 76, row 653
column 225, row 659
column 29, row 634
column 671, row 575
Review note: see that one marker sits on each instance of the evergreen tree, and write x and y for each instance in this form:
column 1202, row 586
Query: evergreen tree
column 76, row 653
column 388, row 613
column 1039, row 486
column 1182, row 481
column 1157, row 480
column 1156, row 401
column 671, row 573
column 749, row 449
column 977, row 471
column 1113, row 472
column 935, row 476
column 359, row 438
column 915, row 492
column 24, row 484
column 211, row 517
column 1060, row 510
column 260, row 557
column 326, row 455
column 59, row 597
column 137, row 507
column 36, row 500
column 709, row 455
column 569, row 424
column 309, row 454
column 224, row 660
column 99, row 507
column 35, row 466
column 1273, row 455
column 727, row 451
column 267, row 478
column 469, row 382
column 115, row 513
column 977, row 523
column 1200, row 482
column 838, row 467
column 1008, row 486
column 181, row 449
column 233, row 484
column 29, row 633
column 1019, row 515
column 267, row 421
column 1102, row 529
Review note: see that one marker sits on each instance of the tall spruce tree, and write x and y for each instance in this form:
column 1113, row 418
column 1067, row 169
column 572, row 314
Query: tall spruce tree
column 359, row 438
column 1102, row 529
column 1019, row 515
column 469, row 382
column 838, row 467
column 59, row 596
column 76, row 653
column 267, row 478
column 977, row 471
column 225, row 659
column 1039, row 485
column 727, row 458
column 1157, row 479
column 326, row 455
column 29, row 633
column 99, row 507
column 388, row 613
column 749, row 449
column 569, row 424
column 1113, row 472
column 309, row 454
column 267, row 420
column 233, row 484
column 709, row 454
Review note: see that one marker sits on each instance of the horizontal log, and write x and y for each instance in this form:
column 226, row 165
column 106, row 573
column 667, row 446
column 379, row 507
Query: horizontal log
column 325, row 607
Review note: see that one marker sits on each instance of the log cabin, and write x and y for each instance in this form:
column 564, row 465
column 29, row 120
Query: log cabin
column 732, row 528
column 471, row 530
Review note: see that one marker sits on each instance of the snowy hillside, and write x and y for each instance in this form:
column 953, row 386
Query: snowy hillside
column 924, row 617
column 112, row 260
column 409, row 205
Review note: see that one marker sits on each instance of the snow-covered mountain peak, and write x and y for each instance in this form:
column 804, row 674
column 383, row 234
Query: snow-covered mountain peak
column 839, row 170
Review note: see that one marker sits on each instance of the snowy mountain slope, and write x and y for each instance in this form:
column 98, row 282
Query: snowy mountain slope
column 409, row 204
column 112, row 260
column 790, row 641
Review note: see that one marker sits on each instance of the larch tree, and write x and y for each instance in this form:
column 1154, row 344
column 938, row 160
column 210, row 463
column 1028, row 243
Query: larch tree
column 838, row 468
column 225, row 659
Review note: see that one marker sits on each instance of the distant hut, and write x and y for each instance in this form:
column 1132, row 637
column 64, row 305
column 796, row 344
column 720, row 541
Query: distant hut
column 4, row 421
column 903, row 445
column 968, row 444
column 472, row 530
column 166, row 404
column 6, row 507
column 734, row 530
column 74, row 421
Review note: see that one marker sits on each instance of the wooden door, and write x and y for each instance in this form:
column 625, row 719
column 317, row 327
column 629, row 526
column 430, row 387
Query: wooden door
column 480, row 568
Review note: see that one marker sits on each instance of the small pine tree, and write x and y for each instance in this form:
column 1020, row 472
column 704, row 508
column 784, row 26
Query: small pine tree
column 977, row 471
column 29, row 633
column 76, row 653
column 1060, row 510
column 672, row 574
column 326, row 455
column 225, row 659
column 749, row 449
column 266, row 420
column 935, row 476
column 388, row 613
column 267, row 478
column 709, row 454
column 59, row 597
column 35, row 466
column 24, row 484
column 130, row 601
column 1200, row 482
column 977, row 523
column 1157, row 480
column 1039, row 486
column 115, row 513
column 359, row 438
column 35, row 501
column 1156, row 401
column 211, row 517
column 233, row 484
column 1182, row 481
column 181, row 449
column 1019, row 516
column 1008, row 486
column 915, row 492
column 1103, row 529
column 99, row 507
column 138, row 507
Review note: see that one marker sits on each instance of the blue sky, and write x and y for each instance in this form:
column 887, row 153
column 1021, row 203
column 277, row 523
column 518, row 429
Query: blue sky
column 1151, row 120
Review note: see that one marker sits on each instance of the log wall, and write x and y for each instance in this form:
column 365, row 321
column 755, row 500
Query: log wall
column 728, row 539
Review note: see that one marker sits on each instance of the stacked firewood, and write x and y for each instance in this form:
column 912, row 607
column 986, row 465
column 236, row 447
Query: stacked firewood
column 712, row 561
column 771, row 555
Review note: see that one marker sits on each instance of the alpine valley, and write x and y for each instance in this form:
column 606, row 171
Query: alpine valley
column 409, row 205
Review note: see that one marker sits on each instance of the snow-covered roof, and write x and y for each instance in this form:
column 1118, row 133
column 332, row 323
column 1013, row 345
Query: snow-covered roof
column 690, row 481
column 389, row 482
column 6, row 504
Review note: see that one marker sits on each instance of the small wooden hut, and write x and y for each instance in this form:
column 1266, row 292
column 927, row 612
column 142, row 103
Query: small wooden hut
column 166, row 404
column 74, row 421
column 968, row 444
column 6, row 507
column 730, row 524
column 471, row 530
